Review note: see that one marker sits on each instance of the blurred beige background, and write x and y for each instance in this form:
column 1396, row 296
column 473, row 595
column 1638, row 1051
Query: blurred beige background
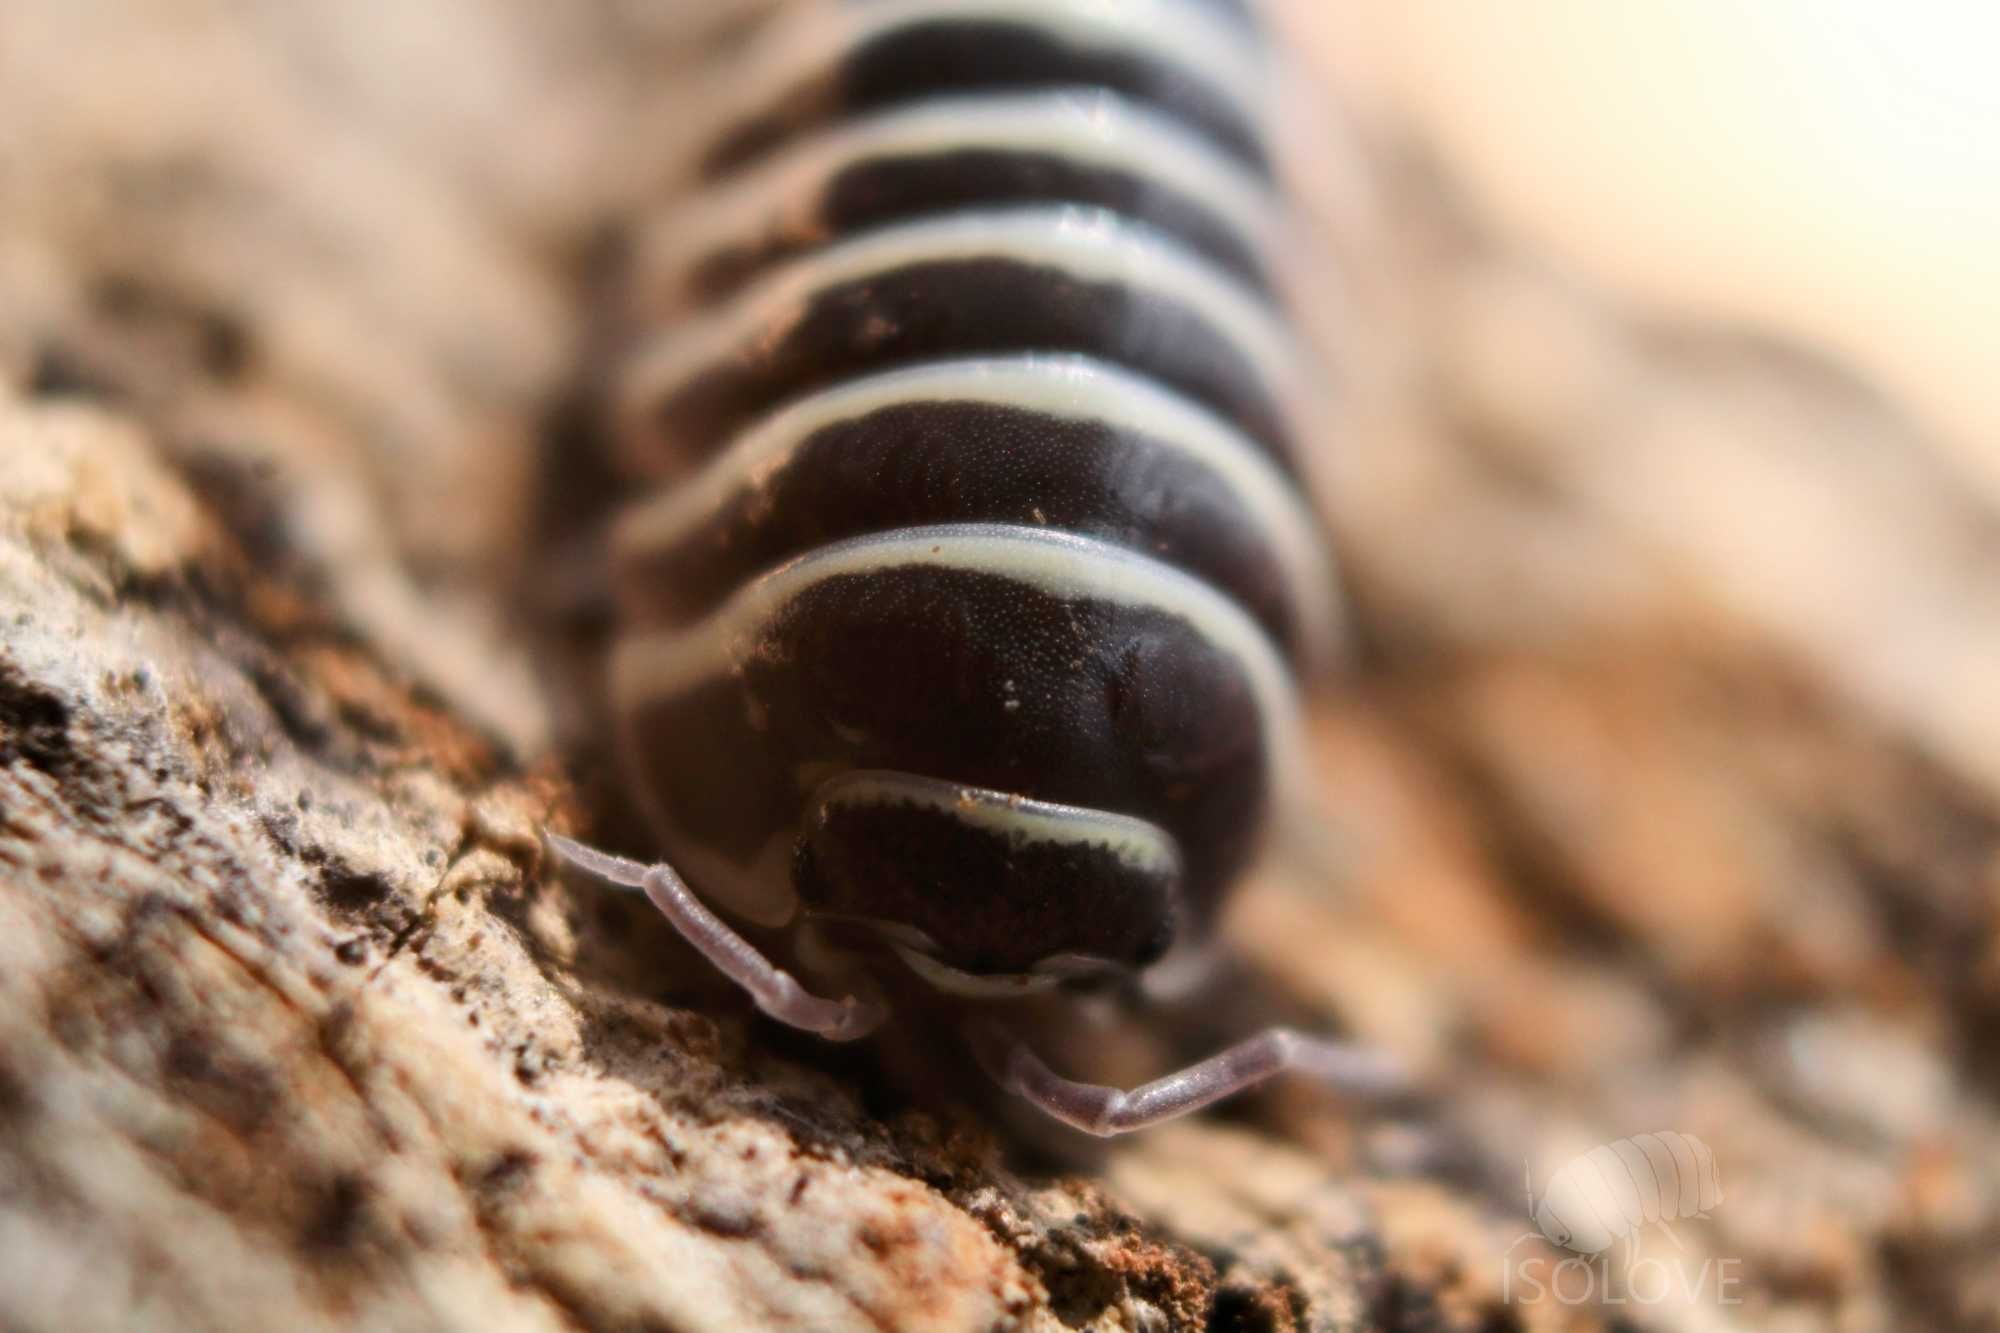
column 1828, row 169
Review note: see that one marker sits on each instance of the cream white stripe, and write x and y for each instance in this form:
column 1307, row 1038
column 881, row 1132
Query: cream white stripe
column 1085, row 125
column 1091, row 244
column 664, row 663
column 1071, row 387
column 1136, row 842
column 1171, row 32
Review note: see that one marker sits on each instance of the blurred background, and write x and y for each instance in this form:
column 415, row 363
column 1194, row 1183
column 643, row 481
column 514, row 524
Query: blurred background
column 1825, row 171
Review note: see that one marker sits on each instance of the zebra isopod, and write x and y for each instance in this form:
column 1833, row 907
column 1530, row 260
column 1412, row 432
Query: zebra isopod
column 967, row 574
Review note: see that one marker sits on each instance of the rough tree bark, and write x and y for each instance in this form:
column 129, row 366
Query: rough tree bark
column 1667, row 782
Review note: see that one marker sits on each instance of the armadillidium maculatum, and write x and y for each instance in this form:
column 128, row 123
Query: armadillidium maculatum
column 968, row 571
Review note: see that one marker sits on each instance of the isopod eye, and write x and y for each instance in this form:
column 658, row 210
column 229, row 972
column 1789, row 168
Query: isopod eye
column 997, row 883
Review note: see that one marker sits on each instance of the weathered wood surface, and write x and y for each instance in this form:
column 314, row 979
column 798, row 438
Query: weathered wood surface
column 1666, row 785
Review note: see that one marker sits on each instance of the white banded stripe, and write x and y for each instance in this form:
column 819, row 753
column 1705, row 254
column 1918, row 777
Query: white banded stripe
column 1087, row 126
column 1142, row 845
column 1059, row 385
column 650, row 666
column 1177, row 34
column 1091, row 245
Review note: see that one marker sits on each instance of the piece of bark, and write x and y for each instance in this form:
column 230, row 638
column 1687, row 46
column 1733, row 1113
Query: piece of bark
column 1664, row 788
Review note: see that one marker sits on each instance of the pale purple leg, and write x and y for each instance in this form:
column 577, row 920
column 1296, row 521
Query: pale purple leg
column 774, row 990
column 1096, row 1109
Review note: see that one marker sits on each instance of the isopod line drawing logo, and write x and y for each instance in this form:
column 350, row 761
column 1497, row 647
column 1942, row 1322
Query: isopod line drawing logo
column 1615, row 1189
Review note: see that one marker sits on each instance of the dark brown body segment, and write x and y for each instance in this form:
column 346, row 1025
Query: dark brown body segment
column 877, row 191
column 967, row 677
column 930, row 310
column 988, row 901
column 941, row 56
column 919, row 463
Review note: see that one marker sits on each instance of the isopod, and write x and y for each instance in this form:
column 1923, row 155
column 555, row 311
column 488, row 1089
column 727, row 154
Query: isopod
column 966, row 574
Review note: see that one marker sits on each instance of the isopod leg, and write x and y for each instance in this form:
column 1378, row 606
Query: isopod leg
column 1096, row 1109
column 774, row 990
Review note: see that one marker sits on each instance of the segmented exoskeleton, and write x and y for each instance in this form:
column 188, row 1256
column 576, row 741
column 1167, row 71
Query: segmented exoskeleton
column 968, row 571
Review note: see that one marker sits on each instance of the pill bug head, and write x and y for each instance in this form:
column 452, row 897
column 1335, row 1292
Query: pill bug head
column 982, row 883
column 1010, row 746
